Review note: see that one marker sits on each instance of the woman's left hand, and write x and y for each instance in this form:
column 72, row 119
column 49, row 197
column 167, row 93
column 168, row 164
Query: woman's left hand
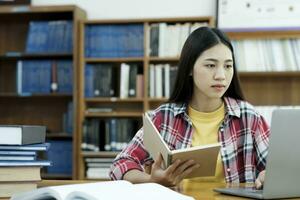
column 259, row 182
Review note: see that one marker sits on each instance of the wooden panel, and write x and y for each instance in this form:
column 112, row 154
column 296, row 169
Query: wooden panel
column 272, row 90
column 264, row 35
column 14, row 36
column 7, row 77
column 39, row 111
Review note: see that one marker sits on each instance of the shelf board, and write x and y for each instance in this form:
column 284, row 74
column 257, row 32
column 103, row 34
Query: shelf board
column 99, row 154
column 261, row 34
column 58, row 136
column 157, row 99
column 51, row 95
column 112, row 99
column 163, row 59
column 17, row 56
column 270, row 74
column 56, row 176
column 99, row 60
column 96, row 179
column 114, row 114
column 149, row 20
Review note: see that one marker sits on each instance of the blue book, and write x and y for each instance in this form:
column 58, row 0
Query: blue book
column 31, row 147
column 17, row 158
column 40, row 163
column 17, row 153
column 60, row 155
column 65, row 76
column 89, row 81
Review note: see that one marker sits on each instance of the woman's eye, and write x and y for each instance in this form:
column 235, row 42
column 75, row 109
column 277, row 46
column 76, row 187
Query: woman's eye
column 210, row 65
column 228, row 66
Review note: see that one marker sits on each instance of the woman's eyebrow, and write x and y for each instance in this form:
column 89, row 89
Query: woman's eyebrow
column 216, row 60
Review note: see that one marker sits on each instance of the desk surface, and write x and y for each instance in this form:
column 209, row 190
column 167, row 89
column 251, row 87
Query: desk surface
column 200, row 191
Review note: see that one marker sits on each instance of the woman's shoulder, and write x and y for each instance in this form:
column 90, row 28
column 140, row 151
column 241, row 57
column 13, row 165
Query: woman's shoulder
column 170, row 109
column 242, row 107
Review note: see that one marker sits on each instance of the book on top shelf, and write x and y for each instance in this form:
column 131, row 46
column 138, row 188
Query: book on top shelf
column 206, row 155
column 22, row 134
column 103, row 190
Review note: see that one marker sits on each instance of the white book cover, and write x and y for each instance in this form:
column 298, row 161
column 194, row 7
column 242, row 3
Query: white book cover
column 19, row 76
column 152, row 81
column 278, row 55
column 183, row 34
column 290, row 62
column 162, row 39
column 124, row 80
column 158, row 81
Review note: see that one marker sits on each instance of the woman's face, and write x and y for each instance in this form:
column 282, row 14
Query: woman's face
column 213, row 72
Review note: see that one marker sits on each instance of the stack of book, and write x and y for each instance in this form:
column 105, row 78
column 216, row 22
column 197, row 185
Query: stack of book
column 19, row 167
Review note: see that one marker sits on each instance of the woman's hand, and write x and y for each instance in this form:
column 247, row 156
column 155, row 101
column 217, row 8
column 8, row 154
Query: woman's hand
column 259, row 182
column 173, row 174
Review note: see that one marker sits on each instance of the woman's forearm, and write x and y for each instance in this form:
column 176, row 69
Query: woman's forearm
column 136, row 176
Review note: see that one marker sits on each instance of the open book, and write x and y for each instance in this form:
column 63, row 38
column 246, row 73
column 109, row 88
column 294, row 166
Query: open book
column 108, row 190
column 205, row 155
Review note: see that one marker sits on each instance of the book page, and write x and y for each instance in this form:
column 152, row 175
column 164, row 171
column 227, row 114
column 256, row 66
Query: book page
column 92, row 191
column 125, row 190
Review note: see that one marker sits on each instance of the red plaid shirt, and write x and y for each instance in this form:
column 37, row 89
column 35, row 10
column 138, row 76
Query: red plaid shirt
column 244, row 137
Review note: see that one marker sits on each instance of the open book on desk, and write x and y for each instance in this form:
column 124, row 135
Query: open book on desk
column 206, row 155
column 108, row 190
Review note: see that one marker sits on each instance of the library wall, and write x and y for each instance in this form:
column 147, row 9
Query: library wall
column 114, row 9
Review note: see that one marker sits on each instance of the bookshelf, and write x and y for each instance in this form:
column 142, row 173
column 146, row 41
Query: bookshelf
column 269, row 87
column 21, row 105
column 117, row 105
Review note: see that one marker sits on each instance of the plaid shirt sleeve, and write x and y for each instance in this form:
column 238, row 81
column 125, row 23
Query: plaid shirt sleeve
column 261, row 142
column 134, row 156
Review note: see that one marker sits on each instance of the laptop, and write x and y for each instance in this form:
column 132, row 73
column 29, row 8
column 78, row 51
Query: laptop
column 282, row 178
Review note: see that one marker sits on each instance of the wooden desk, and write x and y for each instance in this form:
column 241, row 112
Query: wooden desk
column 201, row 191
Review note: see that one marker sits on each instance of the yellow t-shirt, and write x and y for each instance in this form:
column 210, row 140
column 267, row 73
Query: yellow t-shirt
column 206, row 127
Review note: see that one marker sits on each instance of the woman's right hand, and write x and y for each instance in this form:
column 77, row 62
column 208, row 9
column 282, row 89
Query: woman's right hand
column 174, row 174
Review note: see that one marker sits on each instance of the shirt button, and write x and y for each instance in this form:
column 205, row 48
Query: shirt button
column 228, row 170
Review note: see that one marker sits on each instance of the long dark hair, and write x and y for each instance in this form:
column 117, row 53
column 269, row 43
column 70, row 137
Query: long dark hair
column 198, row 41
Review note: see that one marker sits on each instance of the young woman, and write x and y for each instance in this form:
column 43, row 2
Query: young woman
column 206, row 106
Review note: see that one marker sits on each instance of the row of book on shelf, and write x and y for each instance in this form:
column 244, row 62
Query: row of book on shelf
column 111, row 134
column 109, row 80
column 44, row 77
column 110, row 41
column 166, row 40
column 20, row 166
column 119, row 40
column 267, row 55
column 161, row 80
column 98, row 168
column 50, row 37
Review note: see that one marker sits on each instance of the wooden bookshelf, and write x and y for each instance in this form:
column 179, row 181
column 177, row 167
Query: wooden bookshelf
column 41, row 109
column 267, row 88
column 130, row 107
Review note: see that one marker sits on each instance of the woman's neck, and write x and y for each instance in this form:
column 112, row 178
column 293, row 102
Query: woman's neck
column 206, row 106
